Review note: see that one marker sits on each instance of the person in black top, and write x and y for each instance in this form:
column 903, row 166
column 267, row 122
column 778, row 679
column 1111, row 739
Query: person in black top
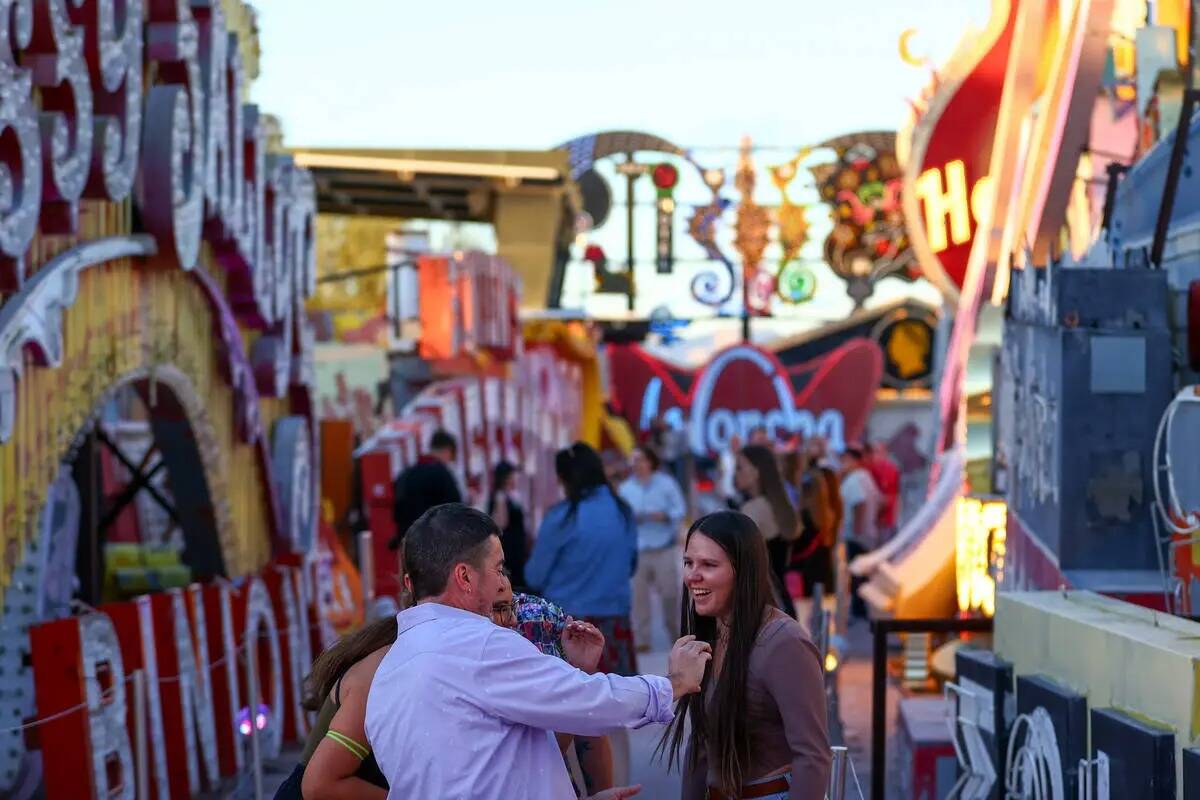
column 510, row 519
column 426, row 484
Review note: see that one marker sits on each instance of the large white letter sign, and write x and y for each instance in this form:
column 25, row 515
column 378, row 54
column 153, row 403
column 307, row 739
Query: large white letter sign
column 80, row 693
column 173, row 157
column 205, row 699
column 106, row 707
column 195, row 691
column 154, row 709
column 216, row 602
column 114, row 43
column 20, row 145
column 281, row 586
column 60, row 74
column 260, row 626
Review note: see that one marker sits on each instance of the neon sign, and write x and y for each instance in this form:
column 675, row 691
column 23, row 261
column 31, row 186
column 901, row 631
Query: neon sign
column 947, row 154
column 746, row 387
column 83, row 664
column 944, row 198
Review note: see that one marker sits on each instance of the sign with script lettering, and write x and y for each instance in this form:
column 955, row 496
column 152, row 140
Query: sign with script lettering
column 746, row 387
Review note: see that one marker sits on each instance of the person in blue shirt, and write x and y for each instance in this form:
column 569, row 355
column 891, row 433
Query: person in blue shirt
column 586, row 553
column 583, row 560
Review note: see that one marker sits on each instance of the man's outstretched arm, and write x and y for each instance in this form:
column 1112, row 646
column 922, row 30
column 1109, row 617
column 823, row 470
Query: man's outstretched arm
column 514, row 681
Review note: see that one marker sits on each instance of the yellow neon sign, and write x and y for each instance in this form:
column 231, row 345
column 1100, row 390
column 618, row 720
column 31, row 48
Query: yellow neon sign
column 980, row 545
column 948, row 199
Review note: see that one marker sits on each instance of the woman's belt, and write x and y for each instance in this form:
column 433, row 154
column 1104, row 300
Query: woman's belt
column 765, row 788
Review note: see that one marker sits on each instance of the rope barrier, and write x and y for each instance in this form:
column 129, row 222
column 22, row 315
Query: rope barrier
column 66, row 712
column 239, row 651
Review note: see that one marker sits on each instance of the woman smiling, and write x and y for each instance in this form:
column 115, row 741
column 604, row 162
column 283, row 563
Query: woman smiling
column 758, row 725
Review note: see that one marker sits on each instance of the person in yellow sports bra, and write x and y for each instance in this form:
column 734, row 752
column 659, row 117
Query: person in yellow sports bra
column 342, row 765
column 336, row 763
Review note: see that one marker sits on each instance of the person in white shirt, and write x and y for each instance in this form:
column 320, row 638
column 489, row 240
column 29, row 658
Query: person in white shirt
column 658, row 509
column 860, row 499
column 728, row 466
column 860, row 503
column 461, row 708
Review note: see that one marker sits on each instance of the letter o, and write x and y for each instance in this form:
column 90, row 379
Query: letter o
column 719, row 429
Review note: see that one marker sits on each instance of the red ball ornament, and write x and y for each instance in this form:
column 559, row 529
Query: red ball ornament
column 665, row 177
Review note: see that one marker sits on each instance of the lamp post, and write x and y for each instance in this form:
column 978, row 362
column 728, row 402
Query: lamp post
column 632, row 170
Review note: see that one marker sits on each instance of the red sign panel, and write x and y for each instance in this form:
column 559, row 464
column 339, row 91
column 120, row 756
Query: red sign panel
column 946, row 182
column 746, row 387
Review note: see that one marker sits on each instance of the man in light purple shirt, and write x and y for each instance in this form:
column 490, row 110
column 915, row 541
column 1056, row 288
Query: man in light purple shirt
column 462, row 708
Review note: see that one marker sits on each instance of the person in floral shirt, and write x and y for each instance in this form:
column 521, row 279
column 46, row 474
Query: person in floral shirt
column 542, row 622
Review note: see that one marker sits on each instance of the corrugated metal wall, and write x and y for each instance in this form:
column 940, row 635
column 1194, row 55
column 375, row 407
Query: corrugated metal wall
column 132, row 320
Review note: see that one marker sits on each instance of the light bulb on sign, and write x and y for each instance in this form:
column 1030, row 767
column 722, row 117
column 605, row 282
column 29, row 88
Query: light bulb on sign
column 260, row 719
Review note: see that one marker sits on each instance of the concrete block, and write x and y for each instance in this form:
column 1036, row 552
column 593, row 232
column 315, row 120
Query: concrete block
column 1143, row 663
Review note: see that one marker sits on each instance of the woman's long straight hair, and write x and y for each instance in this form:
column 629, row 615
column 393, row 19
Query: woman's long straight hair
column 722, row 734
column 770, row 484
column 331, row 665
column 813, row 491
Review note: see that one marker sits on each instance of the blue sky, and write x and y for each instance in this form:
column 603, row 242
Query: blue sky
column 532, row 74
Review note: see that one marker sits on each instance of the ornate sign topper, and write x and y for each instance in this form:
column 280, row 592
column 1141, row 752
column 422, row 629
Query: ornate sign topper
column 869, row 241
column 712, row 287
column 746, row 387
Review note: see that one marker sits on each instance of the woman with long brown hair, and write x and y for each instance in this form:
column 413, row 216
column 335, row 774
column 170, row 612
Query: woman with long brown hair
column 759, row 479
column 584, row 560
column 335, row 763
column 812, row 552
column 758, row 727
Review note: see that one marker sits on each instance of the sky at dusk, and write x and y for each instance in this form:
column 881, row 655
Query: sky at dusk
column 534, row 74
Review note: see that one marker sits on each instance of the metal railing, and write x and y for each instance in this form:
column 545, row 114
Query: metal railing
column 837, row 774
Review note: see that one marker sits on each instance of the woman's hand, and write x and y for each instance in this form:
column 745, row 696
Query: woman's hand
column 582, row 644
column 619, row 793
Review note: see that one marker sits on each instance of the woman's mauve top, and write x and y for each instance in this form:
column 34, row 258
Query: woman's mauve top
column 785, row 714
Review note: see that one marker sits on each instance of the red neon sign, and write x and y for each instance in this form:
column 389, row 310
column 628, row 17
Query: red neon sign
column 946, row 178
column 745, row 387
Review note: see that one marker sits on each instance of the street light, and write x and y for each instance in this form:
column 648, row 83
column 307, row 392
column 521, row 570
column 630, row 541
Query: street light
column 632, row 170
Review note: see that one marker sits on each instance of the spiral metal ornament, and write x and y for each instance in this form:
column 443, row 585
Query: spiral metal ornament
column 710, row 287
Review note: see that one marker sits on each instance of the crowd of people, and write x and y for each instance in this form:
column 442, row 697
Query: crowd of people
column 817, row 510
column 511, row 668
